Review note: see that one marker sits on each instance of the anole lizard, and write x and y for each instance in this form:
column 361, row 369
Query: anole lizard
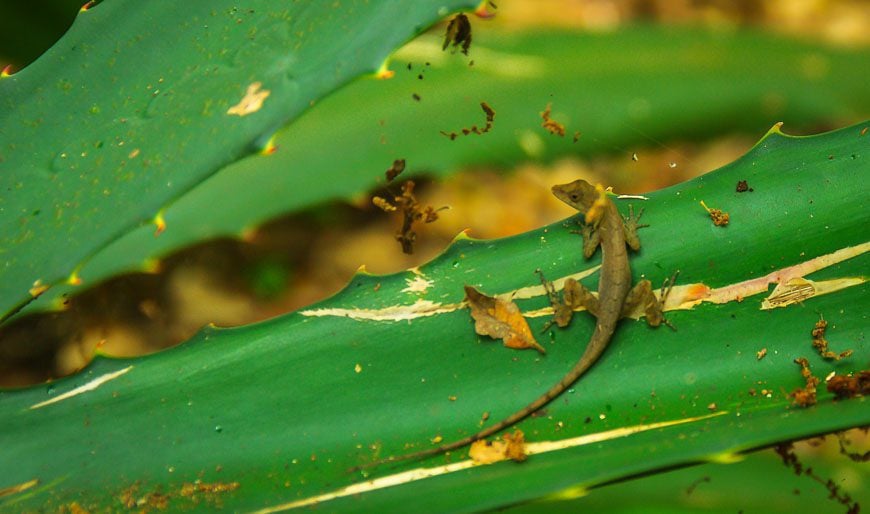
column 603, row 227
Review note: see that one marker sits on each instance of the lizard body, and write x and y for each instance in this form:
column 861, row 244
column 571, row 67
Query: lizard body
column 603, row 227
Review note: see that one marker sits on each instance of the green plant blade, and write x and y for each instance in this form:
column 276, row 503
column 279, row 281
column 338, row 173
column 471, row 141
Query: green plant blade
column 281, row 409
column 649, row 98
column 139, row 102
column 757, row 483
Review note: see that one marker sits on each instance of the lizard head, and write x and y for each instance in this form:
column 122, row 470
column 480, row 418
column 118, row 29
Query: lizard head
column 582, row 196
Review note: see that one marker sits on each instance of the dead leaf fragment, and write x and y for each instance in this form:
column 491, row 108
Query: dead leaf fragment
column 500, row 319
column 512, row 446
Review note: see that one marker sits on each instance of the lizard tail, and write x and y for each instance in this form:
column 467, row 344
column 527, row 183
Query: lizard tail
column 593, row 351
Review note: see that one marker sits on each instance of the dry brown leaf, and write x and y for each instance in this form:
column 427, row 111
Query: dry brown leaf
column 500, row 319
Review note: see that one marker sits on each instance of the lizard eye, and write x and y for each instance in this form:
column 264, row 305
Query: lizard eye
column 575, row 197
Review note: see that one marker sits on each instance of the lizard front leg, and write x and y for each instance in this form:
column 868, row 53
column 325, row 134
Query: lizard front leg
column 630, row 226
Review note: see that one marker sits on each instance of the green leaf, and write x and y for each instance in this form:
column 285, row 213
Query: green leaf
column 648, row 98
column 757, row 483
column 278, row 411
column 140, row 102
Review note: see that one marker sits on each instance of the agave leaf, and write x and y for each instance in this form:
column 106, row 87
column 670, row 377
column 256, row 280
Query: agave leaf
column 272, row 415
column 141, row 101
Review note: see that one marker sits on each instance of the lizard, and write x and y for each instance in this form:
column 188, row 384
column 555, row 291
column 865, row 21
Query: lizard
column 603, row 226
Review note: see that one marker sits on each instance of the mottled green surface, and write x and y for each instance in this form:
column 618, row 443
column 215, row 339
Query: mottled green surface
column 286, row 406
column 129, row 110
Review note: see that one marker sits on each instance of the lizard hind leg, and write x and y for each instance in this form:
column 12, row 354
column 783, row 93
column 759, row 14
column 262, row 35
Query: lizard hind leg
column 573, row 295
column 642, row 296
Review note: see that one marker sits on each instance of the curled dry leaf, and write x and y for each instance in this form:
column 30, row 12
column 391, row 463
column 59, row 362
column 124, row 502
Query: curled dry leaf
column 500, row 319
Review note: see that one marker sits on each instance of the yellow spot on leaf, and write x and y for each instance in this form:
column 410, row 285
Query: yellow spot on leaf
column 74, row 279
column 270, row 147
column 38, row 288
column 384, row 72
column 251, row 102
column 160, row 223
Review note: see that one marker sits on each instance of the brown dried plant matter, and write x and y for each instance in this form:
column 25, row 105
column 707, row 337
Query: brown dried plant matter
column 474, row 129
column 552, row 126
column 850, row 386
column 720, row 218
column 790, row 459
column 512, row 446
column 407, row 203
column 458, row 33
column 805, row 396
column 500, row 319
column 821, row 344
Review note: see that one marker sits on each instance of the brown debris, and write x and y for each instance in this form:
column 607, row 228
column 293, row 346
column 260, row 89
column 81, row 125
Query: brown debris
column 805, row 396
column 720, row 218
column 500, row 319
column 512, row 446
column 474, row 129
column 553, row 126
column 383, row 204
column 790, row 459
column 743, row 186
column 394, row 170
column 407, row 203
column 412, row 212
column 853, row 456
column 821, row 344
column 850, row 386
column 458, row 33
